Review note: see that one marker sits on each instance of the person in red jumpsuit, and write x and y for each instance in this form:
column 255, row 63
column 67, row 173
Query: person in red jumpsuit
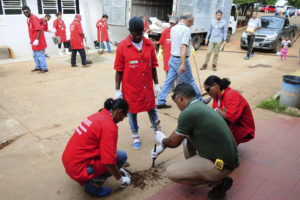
column 232, row 106
column 44, row 25
column 60, row 31
column 37, row 40
column 91, row 155
column 76, row 41
column 135, row 66
column 102, row 32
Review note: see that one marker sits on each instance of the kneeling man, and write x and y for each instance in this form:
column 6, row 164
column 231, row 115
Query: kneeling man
column 209, row 147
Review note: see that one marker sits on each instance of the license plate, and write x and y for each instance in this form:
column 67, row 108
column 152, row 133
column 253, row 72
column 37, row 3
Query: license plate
column 256, row 45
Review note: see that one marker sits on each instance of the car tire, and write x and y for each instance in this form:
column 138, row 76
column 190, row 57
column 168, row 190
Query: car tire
column 197, row 40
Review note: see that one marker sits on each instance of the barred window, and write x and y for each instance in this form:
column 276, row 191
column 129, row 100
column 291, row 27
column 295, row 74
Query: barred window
column 63, row 6
column 11, row 7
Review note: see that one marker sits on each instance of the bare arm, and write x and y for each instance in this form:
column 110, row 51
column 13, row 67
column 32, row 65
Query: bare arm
column 222, row 113
column 296, row 38
column 119, row 76
column 154, row 75
column 173, row 141
column 182, row 58
column 113, row 170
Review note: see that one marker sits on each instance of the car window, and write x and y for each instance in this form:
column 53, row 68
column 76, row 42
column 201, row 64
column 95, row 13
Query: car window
column 272, row 23
column 272, row 6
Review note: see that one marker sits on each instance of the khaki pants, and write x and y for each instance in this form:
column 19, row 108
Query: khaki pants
column 213, row 46
column 195, row 170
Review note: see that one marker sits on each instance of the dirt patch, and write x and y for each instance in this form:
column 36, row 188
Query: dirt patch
column 141, row 179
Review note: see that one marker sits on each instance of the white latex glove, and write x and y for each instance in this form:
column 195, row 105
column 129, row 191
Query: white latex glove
column 159, row 149
column 159, row 136
column 123, row 172
column 157, row 90
column 124, row 181
column 119, row 94
column 35, row 42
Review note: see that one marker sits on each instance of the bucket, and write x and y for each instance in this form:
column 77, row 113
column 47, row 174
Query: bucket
column 290, row 91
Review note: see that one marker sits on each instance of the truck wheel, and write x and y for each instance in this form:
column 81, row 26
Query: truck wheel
column 229, row 33
column 197, row 40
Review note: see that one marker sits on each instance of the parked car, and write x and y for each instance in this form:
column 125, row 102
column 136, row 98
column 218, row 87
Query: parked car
column 268, row 9
column 273, row 31
column 261, row 8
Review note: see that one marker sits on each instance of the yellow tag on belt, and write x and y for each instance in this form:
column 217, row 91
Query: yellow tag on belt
column 219, row 164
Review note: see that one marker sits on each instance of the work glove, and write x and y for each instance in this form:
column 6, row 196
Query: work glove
column 35, row 42
column 157, row 90
column 193, row 53
column 159, row 55
column 119, row 94
column 123, row 172
column 159, row 136
column 159, row 149
column 124, row 181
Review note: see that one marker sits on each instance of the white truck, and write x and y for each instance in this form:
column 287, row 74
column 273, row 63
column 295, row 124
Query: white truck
column 120, row 12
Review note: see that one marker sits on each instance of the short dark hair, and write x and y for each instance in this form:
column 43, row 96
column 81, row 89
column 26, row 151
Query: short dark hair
column 25, row 8
column 57, row 14
column 115, row 104
column 136, row 24
column 219, row 12
column 105, row 16
column 48, row 16
column 185, row 90
column 223, row 83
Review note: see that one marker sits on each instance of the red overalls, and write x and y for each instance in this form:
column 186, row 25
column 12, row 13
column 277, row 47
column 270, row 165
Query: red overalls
column 239, row 114
column 137, row 81
column 60, row 27
column 76, row 39
column 34, row 25
column 93, row 143
column 104, row 31
column 165, row 41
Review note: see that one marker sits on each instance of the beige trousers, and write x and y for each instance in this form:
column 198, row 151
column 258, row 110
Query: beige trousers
column 213, row 46
column 195, row 170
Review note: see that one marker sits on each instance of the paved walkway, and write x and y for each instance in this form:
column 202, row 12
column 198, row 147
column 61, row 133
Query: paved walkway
column 269, row 169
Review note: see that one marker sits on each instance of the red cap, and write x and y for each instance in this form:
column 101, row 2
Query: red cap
column 78, row 16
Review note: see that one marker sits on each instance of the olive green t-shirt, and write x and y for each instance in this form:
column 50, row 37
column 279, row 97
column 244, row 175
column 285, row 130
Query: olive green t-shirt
column 208, row 132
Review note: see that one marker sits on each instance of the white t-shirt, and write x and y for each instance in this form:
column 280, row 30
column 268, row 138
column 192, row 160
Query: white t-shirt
column 285, row 44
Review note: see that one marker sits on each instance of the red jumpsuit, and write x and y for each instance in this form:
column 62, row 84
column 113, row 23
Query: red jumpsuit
column 165, row 41
column 239, row 114
column 137, row 81
column 93, row 143
column 104, row 31
column 34, row 25
column 60, row 27
column 76, row 38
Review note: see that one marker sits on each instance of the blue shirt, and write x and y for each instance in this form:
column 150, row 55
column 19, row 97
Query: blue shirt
column 217, row 31
column 180, row 34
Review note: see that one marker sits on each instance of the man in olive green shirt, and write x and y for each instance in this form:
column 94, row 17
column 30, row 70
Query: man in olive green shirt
column 209, row 147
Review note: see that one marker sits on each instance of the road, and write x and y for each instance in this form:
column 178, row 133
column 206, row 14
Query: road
column 39, row 113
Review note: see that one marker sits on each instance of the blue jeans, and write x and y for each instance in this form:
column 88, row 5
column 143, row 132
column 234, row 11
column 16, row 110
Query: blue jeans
column 186, row 77
column 40, row 60
column 133, row 120
column 101, row 46
column 121, row 159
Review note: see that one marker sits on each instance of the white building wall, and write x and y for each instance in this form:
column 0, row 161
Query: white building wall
column 14, row 30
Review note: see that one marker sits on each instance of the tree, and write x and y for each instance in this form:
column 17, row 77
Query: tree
column 295, row 3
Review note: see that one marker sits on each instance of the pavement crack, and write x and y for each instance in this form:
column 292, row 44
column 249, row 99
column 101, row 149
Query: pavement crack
column 5, row 143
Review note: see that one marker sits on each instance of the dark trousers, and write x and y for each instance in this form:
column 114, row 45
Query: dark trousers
column 65, row 45
column 250, row 39
column 82, row 55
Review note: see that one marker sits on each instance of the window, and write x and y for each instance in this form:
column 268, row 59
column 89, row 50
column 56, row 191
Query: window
column 11, row 7
column 63, row 6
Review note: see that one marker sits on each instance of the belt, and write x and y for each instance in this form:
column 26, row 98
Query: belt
column 225, row 165
column 179, row 56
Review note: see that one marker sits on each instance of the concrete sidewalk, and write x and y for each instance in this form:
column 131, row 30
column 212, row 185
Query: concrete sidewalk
column 269, row 166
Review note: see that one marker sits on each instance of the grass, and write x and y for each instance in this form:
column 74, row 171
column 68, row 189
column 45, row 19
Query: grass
column 273, row 105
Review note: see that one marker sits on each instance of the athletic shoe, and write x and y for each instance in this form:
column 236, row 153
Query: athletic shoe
column 219, row 191
column 43, row 71
column 46, row 55
column 96, row 191
column 246, row 58
column 36, row 70
column 203, row 67
column 163, row 106
column 137, row 145
column 214, row 68
column 252, row 54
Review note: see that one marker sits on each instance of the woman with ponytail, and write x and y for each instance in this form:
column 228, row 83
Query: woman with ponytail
column 232, row 106
column 91, row 155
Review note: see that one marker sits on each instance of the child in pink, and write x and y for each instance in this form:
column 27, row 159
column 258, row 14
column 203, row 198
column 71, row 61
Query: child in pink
column 284, row 47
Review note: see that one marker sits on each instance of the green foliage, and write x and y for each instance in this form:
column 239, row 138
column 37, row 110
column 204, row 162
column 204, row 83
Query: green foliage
column 273, row 104
column 295, row 3
column 244, row 1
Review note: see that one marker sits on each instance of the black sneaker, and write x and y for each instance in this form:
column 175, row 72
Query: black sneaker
column 219, row 191
column 163, row 106
column 47, row 56
column 36, row 70
column 203, row 67
column 43, row 71
column 214, row 68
